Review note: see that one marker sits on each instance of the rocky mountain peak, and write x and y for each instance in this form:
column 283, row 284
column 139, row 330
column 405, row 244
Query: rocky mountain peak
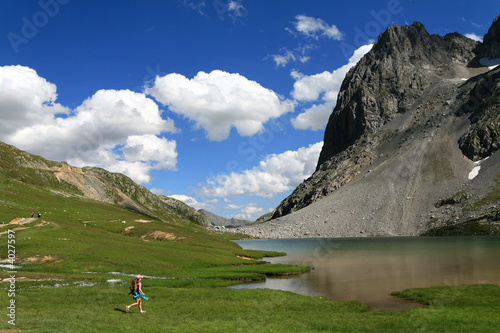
column 402, row 64
column 421, row 105
column 401, row 38
column 491, row 40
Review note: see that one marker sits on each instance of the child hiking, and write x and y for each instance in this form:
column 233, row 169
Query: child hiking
column 136, row 291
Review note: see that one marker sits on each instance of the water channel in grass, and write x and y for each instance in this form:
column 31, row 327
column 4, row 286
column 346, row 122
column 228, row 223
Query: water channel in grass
column 369, row 269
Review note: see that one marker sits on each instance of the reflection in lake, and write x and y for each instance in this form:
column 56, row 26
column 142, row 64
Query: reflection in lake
column 369, row 269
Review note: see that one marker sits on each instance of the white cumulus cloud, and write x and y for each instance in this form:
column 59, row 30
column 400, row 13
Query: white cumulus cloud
column 315, row 27
column 143, row 153
column 475, row 37
column 150, row 148
column 250, row 212
column 321, row 90
column 26, row 99
column 276, row 173
column 218, row 101
column 235, row 9
column 283, row 59
column 192, row 202
column 286, row 56
column 114, row 129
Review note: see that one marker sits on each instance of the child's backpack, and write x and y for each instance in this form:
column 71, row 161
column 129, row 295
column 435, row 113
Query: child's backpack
column 132, row 289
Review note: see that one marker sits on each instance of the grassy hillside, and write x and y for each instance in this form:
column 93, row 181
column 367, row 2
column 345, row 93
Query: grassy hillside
column 90, row 183
column 76, row 235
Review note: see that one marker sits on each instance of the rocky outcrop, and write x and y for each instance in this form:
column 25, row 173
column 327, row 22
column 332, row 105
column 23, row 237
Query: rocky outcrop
column 415, row 104
column 483, row 105
column 483, row 136
column 491, row 41
column 102, row 185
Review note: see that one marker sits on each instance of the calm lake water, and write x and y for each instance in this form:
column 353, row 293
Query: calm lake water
column 369, row 269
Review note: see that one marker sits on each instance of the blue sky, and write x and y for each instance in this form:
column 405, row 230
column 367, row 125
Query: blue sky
column 221, row 104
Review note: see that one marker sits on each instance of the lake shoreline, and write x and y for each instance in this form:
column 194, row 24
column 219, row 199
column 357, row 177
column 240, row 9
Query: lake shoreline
column 368, row 270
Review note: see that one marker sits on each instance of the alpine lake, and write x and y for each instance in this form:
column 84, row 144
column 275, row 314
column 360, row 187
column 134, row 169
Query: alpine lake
column 369, row 269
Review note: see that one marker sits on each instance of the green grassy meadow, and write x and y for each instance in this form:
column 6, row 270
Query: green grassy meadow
column 73, row 267
column 203, row 308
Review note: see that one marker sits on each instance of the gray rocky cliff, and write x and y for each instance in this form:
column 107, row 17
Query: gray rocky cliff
column 415, row 104
column 400, row 68
column 483, row 136
column 491, row 41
